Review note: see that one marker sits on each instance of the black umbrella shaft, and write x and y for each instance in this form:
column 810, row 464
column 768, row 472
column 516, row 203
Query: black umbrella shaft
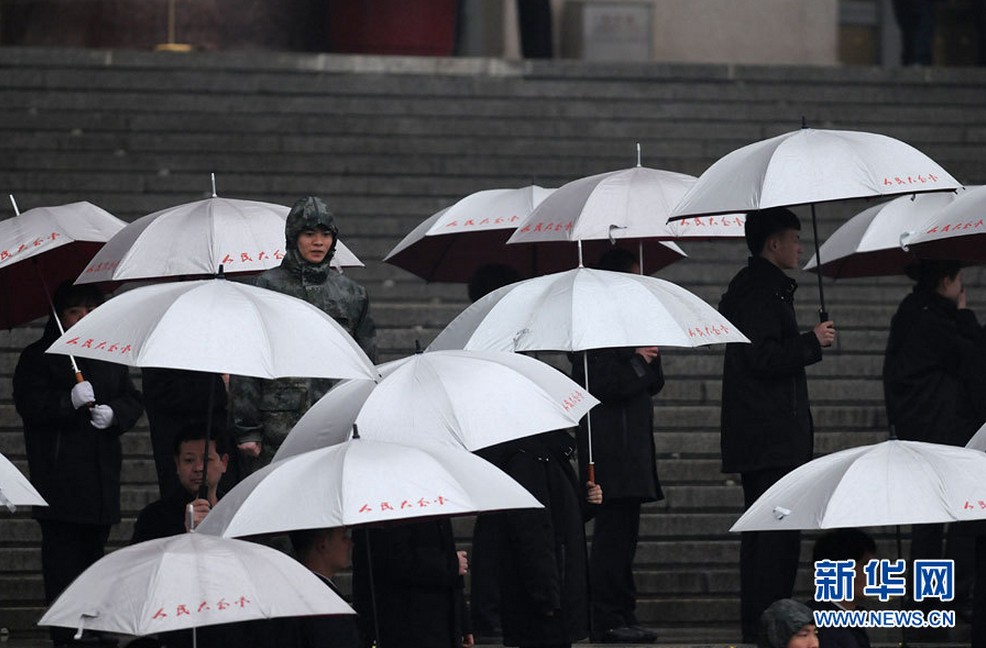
column 823, row 315
column 204, row 487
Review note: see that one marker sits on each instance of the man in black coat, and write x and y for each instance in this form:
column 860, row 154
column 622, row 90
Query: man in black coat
column 625, row 381
column 934, row 383
column 766, row 425
column 416, row 596
column 542, row 552
column 167, row 516
column 72, row 435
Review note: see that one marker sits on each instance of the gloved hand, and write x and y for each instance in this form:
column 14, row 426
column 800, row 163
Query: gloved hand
column 101, row 416
column 82, row 394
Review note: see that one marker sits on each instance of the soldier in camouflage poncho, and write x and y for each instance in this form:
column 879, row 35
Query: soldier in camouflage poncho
column 264, row 411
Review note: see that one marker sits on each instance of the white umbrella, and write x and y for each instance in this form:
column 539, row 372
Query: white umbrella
column 586, row 309
column 58, row 240
column 453, row 243
column 217, row 326
column 875, row 241
column 360, row 482
column 471, row 399
column 956, row 231
column 194, row 239
column 978, row 440
column 810, row 166
column 890, row 483
column 15, row 489
column 189, row 581
column 629, row 204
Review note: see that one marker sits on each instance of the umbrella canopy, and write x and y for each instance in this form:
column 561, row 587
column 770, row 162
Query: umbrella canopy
column 15, row 489
column 630, row 204
column 455, row 242
column 874, row 242
column 809, row 166
column 360, row 482
column 956, row 231
column 195, row 238
column 978, row 440
column 217, row 326
column 586, row 309
column 189, row 581
column 471, row 399
column 59, row 240
column 890, row 483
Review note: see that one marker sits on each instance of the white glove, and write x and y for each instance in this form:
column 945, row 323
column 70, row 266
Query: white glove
column 82, row 394
column 101, row 416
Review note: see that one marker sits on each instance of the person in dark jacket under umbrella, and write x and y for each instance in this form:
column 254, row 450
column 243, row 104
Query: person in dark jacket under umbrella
column 543, row 576
column 72, row 436
column 264, row 411
column 625, row 380
column 766, row 426
column 934, row 383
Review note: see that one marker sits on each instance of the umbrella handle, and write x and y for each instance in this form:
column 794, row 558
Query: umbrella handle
column 823, row 315
column 592, row 473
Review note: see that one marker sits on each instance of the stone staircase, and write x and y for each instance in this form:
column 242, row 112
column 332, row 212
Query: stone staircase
column 388, row 141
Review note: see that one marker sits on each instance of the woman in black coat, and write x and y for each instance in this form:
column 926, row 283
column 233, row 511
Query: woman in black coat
column 542, row 552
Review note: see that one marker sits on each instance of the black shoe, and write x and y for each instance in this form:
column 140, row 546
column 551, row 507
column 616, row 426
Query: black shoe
column 626, row 635
column 649, row 635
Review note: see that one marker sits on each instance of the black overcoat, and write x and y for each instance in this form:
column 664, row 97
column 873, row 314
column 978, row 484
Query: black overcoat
column 622, row 424
column 74, row 466
column 934, row 370
column 765, row 418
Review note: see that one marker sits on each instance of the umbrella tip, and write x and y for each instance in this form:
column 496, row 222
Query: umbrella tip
column 417, row 347
column 355, row 431
column 221, row 274
column 893, row 433
column 804, row 122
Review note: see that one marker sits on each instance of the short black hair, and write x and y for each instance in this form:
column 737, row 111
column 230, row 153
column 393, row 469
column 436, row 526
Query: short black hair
column 843, row 544
column 303, row 540
column 194, row 430
column 617, row 259
column 489, row 277
column 69, row 295
column 761, row 225
column 928, row 273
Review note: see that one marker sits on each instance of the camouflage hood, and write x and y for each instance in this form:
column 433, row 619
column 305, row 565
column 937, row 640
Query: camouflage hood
column 311, row 213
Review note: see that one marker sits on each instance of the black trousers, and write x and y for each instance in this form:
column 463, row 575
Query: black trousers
column 768, row 559
column 67, row 549
column 614, row 545
column 484, row 599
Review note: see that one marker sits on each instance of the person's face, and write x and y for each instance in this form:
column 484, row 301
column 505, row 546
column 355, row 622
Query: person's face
column 785, row 248
column 314, row 244
column 339, row 548
column 859, row 582
column 951, row 288
column 806, row 637
column 189, row 463
column 69, row 316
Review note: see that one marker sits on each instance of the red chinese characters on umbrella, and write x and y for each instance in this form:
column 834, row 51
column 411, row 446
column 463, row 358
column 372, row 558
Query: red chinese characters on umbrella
column 573, row 400
column 542, row 226
column 494, row 223
column 102, row 345
column 910, row 180
column 711, row 221
column 955, row 227
column 980, row 504
column 186, row 609
column 37, row 242
column 245, row 257
column 713, row 330
column 403, row 505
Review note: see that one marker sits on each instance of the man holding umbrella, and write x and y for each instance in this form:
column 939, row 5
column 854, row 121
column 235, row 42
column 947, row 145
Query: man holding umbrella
column 72, row 435
column 766, row 425
column 264, row 411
